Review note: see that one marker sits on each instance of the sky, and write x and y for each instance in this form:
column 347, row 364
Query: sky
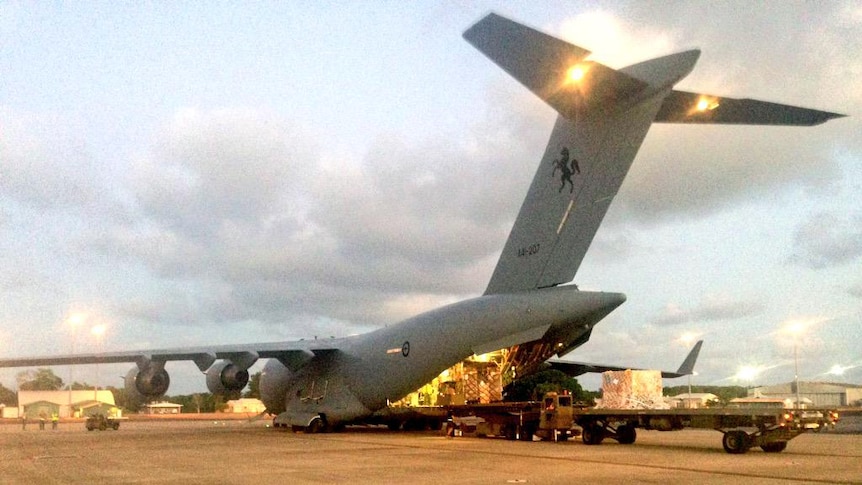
column 187, row 174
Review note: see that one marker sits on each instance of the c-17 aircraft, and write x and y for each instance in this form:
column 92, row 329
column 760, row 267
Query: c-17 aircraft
column 604, row 115
column 577, row 368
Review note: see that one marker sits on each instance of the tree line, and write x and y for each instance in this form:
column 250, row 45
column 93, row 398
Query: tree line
column 44, row 379
column 526, row 388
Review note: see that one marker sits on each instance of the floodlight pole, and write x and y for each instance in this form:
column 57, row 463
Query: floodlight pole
column 689, row 391
column 796, row 371
column 71, row 375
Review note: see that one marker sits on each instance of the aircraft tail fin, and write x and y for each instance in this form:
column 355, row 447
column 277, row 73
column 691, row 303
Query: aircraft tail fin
column 687, row 367
column 604, row 117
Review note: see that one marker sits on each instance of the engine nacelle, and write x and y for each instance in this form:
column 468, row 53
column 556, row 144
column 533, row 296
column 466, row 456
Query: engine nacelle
column 148, row 384
column 225, row 377
column 274, row 383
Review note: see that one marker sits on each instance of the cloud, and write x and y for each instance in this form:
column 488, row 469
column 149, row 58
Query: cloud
column 826, row 240
column 615, row 41
column 692, row 171
column 44, row 163
column 237, row 165
column 712, row 308
column 240, row 215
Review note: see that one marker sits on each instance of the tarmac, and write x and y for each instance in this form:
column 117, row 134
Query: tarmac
column 243, row 451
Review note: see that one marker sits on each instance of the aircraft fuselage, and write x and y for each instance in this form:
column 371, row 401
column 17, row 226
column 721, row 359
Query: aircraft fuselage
column 386, row 364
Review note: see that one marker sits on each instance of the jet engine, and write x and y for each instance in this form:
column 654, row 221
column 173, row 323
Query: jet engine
column 225, row 376
column 150, row 383
column 274, row 382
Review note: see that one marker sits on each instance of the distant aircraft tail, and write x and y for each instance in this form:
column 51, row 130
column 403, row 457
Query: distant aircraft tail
column 604, row 115
column 577, row 368
column 687, row 367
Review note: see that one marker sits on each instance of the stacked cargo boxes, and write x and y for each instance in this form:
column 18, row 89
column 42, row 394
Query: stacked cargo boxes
column 632, row 389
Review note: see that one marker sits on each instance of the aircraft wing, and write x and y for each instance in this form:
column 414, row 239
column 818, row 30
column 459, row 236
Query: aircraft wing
column 292, row 354
column 685, row 107
column 577, row 368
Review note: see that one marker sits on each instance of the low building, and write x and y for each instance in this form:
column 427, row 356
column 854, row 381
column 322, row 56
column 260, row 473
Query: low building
column 40, row 410
column 815, row 394
column 65, row 403
column 246, row 405
column 10, row 412
column 766, row 403
column 163, row 407
column 695, row 400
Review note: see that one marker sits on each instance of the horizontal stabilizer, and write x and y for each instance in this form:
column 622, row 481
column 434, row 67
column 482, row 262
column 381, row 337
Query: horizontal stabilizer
column 685, row 107
column 577, row 368
column 543, row 64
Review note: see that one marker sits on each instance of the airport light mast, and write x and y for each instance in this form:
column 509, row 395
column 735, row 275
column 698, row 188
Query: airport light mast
column 795, row 329
column 99, row 332
column 74, row 321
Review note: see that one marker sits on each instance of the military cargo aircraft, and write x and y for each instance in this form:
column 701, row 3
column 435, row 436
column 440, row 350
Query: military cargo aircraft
column 604, row 115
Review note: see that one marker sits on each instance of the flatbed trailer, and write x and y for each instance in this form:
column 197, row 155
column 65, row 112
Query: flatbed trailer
column 556, row 418
column 741, row 428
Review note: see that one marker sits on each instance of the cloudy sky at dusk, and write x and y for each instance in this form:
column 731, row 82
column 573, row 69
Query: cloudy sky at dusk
column 188, row 174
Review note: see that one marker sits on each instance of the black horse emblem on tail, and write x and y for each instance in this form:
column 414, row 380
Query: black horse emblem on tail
column 566, row 171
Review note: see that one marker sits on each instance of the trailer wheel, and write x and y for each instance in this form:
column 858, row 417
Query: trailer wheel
column 774, row 447
column 593, row 434
column 527, row 432
column 626, row 434
column 736, row 442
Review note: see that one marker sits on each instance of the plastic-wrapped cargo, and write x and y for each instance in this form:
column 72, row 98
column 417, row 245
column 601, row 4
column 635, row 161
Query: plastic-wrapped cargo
column 632, row 389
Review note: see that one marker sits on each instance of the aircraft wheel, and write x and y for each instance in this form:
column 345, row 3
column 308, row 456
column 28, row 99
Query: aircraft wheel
column 626, row 434
column 736, row 442
column 393, row 425
column 317, row 425
column 774, row 447
column 593, row 434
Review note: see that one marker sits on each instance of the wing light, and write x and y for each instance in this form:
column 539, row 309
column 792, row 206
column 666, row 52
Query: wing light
column 576, row 73
column 706, row 104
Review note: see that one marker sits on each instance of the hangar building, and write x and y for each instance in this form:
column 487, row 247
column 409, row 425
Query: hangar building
column 820, row 394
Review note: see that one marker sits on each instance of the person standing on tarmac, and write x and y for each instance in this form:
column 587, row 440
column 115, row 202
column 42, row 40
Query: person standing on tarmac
column 55, row 418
